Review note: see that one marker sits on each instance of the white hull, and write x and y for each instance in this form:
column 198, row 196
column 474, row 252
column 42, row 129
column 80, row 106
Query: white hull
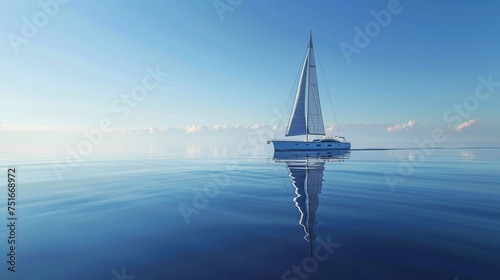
column 284, row 145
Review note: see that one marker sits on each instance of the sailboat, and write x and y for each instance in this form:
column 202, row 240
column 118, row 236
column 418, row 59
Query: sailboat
column 306, row 118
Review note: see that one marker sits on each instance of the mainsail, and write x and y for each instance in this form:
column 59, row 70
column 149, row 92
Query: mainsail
column 306, row 114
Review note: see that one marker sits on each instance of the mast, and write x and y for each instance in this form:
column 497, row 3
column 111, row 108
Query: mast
column 308, row 78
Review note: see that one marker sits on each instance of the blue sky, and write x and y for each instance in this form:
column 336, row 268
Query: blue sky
column 235, row 67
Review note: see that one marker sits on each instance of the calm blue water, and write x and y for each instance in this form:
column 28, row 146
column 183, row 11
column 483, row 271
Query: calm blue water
column 389, row 214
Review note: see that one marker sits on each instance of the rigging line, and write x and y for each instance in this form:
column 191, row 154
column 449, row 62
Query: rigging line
column 328, row 92
column 288, row 101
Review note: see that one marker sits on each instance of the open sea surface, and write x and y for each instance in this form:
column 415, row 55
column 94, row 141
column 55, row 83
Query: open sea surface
column 367, row 214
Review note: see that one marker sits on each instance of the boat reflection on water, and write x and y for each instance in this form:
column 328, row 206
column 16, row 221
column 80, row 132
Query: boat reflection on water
column 305, row 170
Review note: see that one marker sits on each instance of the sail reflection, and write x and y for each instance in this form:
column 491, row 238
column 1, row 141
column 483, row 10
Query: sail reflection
column 305, row 170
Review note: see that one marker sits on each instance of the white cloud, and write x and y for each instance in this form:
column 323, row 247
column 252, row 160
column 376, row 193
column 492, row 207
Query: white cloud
column 463, row 125
column 198, row 128
column 194, row 128
column 261, row 128
column 219, row 127
column 398, row 127
column 230, row 128
column 330, row 128
column 256, row 126
column 153, row 130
